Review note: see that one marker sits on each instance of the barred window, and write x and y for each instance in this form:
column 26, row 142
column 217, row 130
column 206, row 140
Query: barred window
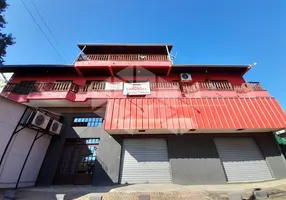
column 87, row 121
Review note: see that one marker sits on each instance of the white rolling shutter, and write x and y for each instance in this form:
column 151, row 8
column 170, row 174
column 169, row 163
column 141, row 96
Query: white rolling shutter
column 145, row 161
column 242, row 160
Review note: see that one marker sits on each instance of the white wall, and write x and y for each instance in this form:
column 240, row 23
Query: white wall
column 10, row 114
column 15, row 157
column 34, row 162
column 4, row 76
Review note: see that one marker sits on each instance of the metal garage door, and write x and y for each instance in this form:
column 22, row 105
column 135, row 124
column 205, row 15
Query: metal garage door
column 145, row 161
column 242, row 160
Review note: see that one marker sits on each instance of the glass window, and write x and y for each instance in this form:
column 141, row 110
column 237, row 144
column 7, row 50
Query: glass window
column 89, row 122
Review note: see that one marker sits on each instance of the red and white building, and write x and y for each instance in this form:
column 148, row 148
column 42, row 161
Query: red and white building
column 131, row 115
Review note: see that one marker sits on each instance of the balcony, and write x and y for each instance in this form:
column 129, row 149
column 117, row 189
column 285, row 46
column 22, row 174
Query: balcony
column 122, row 57
column 94, row 61
column 81, row 93
column 222, row 86
column 40, row 91
column 224, row 89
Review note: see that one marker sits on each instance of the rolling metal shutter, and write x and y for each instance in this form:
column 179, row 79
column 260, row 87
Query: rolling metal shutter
column 145, row 161
column 242, row 160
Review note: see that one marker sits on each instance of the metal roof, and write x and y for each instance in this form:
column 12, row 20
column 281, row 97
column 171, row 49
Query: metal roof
column 211, row 68
column 125, row 48
column 185, row 68
column 38, row 69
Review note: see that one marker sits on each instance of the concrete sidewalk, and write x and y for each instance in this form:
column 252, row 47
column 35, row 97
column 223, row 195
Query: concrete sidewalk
column 156, row 191
column 141, row 188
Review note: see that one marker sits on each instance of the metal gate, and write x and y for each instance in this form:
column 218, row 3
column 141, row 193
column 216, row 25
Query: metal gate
column 77, row 162
column 145, row 161
column 242, row 160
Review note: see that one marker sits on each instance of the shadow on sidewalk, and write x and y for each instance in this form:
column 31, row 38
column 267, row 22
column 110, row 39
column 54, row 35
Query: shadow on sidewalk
column 67, row 192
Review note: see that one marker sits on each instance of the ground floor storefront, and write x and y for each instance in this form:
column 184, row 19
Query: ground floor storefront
column 98, row 158
column 201, row 159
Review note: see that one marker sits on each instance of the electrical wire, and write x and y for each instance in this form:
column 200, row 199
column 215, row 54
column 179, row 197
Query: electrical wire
column 48, row 28
column 42, row 31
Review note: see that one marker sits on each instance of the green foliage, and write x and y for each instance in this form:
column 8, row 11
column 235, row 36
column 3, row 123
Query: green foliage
column 5, row 39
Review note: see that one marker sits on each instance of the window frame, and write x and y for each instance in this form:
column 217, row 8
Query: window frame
column 87, row 121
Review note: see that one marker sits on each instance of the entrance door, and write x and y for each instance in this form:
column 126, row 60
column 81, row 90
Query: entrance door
column 145, row 161
column 242, row 160
column 77, row 162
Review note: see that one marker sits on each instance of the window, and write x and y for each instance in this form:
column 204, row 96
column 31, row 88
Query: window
column 24, row 87
column 93, row 85
column 87, row 121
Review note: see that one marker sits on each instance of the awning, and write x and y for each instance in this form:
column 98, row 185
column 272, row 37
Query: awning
column 194, row 113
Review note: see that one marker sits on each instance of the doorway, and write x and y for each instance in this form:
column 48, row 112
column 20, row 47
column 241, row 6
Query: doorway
column 77, row 162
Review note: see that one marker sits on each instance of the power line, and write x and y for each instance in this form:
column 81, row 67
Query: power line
column 48, row 27
column 42, row 31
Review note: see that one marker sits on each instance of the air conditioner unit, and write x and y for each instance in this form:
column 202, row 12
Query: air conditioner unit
column 56, row 127
column 185, row 77
column 40, row 120
column 142, row 57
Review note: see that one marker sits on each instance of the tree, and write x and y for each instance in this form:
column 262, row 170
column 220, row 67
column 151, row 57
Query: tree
column 5, row 39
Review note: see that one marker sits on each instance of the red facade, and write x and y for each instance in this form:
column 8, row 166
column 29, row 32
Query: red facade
column 194, row 113
column 216, row 98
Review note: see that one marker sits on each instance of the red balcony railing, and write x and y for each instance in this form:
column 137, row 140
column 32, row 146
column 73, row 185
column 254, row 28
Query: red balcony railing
column 122, row 57
column 57, row 86
column 164, row 86
column 155, row 86
column 93, row 86
column 41, row 87
column 221, row 86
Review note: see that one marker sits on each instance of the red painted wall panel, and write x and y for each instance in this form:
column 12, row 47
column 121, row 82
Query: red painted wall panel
column 204, row 113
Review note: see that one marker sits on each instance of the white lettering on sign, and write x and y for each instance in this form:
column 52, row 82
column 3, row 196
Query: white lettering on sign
column 114, row 86
column 136, row 88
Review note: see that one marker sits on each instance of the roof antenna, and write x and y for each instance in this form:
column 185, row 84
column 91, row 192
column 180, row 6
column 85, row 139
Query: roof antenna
column 255, row 63
column 173, row 56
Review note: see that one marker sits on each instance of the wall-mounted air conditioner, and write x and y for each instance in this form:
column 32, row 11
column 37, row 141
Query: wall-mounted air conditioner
column 40, row 120
column 56, row 127
column 185, row 77
column 142, row 57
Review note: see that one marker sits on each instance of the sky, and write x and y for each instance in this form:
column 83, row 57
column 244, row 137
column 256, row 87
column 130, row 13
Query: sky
column 202, row 32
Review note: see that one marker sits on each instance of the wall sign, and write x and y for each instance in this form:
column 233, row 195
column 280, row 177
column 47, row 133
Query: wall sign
column 114, row 86
column 136, row 88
